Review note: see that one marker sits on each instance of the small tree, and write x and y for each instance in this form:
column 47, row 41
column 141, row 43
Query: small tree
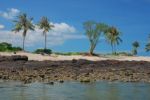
column 46, row 26
column 135, row 45
column 23, row 23
column 93, row 32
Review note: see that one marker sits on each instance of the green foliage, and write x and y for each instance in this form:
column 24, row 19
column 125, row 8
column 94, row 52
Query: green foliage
column 93, row 31
column 46, row 26
column 8, row 47
column 147, row 46
column 121, row 54
column 23, row 23
column 68, row 53
column 42, row 51
column 113, row 37
column 135, row 45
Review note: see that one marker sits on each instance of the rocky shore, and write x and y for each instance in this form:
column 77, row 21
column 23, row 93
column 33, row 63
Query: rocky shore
column 22, row 69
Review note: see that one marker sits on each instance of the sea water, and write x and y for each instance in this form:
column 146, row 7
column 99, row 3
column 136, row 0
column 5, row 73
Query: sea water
column 74, row 91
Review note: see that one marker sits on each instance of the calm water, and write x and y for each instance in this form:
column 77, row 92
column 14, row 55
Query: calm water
column 74, row 91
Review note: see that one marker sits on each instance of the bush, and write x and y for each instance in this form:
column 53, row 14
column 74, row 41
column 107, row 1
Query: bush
column 41, row 51
column 8, row 47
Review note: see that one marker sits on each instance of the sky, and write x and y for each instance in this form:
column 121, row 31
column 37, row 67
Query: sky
column 131, row 17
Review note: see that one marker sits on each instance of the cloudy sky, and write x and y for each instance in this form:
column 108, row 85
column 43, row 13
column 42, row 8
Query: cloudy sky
column 131, row 17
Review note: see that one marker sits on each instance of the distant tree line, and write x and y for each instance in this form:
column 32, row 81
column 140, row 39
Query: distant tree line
column 93, row 30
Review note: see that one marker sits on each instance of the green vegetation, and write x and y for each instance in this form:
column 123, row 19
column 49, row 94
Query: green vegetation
column 113, row 37
column 147, row 47
column 23, row 23
column 135, row 45
column 43, row 51
column 93, row 32
column 120, row 54
column 6, row 47
column 68, row 53
column 46, row 26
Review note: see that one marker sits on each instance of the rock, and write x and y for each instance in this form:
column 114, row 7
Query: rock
column 13, row 58
column 83, row 61
column 50, row 83
column 42, row 76
column 61, row 81
column 85, row 80
column 18, row 58
column 74, row 61
column 28, row 81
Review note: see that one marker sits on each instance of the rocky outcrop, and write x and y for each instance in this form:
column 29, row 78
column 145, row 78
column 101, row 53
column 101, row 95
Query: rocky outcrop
column 13, row 58
column 19, row 68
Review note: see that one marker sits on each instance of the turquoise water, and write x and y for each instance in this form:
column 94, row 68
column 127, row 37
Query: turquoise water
column 74, row 91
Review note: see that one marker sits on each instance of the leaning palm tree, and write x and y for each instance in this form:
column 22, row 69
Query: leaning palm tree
column 23, row 23
column 113, row 37
column 46, row 26
column 93, row 31
column 135, row 45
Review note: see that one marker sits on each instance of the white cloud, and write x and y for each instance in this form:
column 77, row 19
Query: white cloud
column 2, row 26
column 10, row 13
column 57, row 36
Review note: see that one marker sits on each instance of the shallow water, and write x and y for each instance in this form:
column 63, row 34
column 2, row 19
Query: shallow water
column 74, row 91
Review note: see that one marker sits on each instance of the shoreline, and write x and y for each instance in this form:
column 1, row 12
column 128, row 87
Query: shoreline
column 19, row 68
column 54, row 57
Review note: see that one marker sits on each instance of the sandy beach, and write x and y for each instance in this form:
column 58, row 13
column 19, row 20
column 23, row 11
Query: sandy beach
column 53, row 57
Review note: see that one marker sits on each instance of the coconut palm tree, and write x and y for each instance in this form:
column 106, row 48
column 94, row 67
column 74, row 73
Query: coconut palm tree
column 46, row 26
column 93, row 32
column 135, row 45
column 113, row 37
column 23, row 23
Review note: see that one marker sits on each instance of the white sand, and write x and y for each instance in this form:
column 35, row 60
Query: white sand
column 40, row 57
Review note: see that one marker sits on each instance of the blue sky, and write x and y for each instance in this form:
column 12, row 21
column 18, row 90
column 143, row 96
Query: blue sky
column 131, row 17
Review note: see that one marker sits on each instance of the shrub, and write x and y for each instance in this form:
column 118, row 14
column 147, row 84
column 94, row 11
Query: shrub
column 41, row 51
column 8, row 47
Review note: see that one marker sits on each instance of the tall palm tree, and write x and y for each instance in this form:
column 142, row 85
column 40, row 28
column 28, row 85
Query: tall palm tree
column 113, row 37
column 93, row 32
column 46, row 26
column 135, row 45
column 23, row 23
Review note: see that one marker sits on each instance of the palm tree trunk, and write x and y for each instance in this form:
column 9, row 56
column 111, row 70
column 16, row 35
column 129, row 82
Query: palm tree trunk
column 45, row 41
column 24, row 35
column 115, row 49
column 23, row 43
column 112, row 48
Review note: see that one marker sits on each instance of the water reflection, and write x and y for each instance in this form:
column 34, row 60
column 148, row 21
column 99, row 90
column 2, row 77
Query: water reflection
column 74, row 91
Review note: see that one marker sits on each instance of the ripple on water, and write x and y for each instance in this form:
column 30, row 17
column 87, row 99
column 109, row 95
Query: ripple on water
column 74, row 91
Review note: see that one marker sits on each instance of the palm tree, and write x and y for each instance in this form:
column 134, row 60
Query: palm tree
column 93, row 32
column 23, row 23
column 135, row 45
column 113, row 37
column 46, row 26
column 147, row 47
